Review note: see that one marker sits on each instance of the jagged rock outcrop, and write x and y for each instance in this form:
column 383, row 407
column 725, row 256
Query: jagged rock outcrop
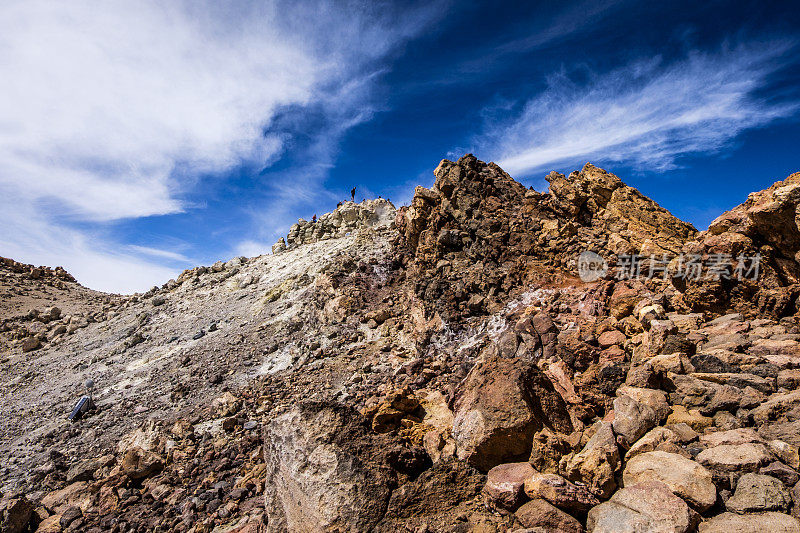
column 478, row 236
column 767, row 224
column 347, row 217
column 632, row 222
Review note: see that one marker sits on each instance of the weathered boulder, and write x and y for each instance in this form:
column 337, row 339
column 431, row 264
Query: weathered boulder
column 15, row 513
column 323, row 471
column 757, row 492
column 751, row 523
column 691, row 417
column 659, row 438
column 504, row 483
column 684, row 477
column 30, row 343
column 655, row 399
column 631, row 420
column 503, row 402
column 140, row 464
column 540, row 515
column 786, row 474
column 644, row 507
column 735, row 458
column 597, row 463
column 560, row 492
column 547, row 450
column 434, row 497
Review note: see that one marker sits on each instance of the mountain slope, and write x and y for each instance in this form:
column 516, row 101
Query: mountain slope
column 444, row 369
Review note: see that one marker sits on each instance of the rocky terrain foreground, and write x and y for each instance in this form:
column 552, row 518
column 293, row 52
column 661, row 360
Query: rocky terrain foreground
column 441, row 367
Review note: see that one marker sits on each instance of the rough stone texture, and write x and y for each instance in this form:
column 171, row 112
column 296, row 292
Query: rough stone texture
column 757, row 492
column 735, row 458
column 348, row 217
column 316, row 476
column 766, row 224
column 643, row 507
column 751, row 523
column 684, row 477
column 655, row 399
column 597, row 463
column 540, row 515
column 502, row 404
column 655, row 439
column 504, row 483
column 560, row 492
column 377, row 336
column 15, row 514
column 632, row 420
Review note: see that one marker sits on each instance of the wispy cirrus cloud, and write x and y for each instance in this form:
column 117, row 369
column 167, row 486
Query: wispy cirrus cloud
column 115, row 111
column 648, row 113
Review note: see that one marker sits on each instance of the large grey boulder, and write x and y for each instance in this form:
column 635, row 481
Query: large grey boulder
column 757, row 492
column 324, row 471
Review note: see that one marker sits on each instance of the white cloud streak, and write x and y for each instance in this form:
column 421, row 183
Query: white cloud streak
column 113, row 110
column 647, row 114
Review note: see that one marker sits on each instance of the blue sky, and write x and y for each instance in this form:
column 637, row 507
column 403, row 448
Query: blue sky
column 139, row 140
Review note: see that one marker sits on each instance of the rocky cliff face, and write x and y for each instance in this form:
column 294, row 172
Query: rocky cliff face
column 438, row 368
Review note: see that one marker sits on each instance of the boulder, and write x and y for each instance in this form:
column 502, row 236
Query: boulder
column 655, row 399
column 504, row 484
column 547, row 450
column 684, row 477
column 731, row 437
column 786, row 452
column 757, row 492
column 15, row 513
column 775, row 406
column 611, row 338
column 690, row 417
column 30, row 343
column 324, row 470
column 728, row 461
column 787, row 475
column 655, row 439
column 631, row 420
column 140, row 464
column 540, row 515
column 597, row 463
column 502, row 404
column 560, row 492
column 752, row 523
column 644, row 507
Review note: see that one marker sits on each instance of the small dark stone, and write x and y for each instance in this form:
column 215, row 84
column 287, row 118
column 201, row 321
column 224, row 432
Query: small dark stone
column 199, row 335
column 69, row 515
column 213, row 505
column 708, row 363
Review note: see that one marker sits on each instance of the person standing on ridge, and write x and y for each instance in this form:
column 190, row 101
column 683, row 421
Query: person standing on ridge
column 353, row 194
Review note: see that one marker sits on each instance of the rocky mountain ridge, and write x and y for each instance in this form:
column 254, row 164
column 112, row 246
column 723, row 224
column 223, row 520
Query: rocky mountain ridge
column 438, row 368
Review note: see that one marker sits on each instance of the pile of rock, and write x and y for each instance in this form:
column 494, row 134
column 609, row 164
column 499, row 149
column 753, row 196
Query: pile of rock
column 346, row 218
column 704, row 436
